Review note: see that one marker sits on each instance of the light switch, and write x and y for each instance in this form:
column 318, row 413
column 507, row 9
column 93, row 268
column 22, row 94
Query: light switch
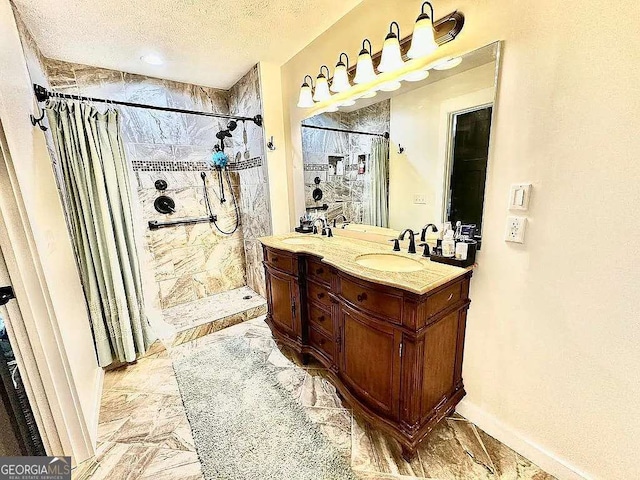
column 519, row 196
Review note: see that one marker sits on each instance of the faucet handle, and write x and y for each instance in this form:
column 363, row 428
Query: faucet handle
column 425, row 253
column 329, row 232
column 396, row 244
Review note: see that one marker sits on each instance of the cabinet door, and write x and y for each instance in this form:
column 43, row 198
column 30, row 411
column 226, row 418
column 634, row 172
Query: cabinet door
column 284, row 307
column 370, row 361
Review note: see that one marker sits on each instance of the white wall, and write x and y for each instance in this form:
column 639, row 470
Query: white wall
column 32, row 179
column 553, row 329
column 420, row 123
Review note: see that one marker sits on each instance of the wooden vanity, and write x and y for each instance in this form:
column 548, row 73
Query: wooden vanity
column 394, row 355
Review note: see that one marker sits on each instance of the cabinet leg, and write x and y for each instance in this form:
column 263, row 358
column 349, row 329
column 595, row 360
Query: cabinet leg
column 408, row 453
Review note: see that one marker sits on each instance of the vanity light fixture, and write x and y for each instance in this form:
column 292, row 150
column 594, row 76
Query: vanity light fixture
column 448, row 64
column 423, row 41
column 340, row 81
column 322, row 86
column 364, row 69
column 306, row 96
column 416, row 76
column 391, row 55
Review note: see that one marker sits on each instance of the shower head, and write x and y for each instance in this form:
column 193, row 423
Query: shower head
column 222, row 134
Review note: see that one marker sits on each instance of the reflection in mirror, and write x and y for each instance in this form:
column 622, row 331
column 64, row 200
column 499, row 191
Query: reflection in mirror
column 408, row 157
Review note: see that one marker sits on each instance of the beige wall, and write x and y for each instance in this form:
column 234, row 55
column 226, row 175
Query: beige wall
column 551, row 352
column 420, row 123
column 62, row 334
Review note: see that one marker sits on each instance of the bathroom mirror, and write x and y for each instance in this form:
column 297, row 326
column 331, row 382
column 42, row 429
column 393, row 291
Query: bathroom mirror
column 408, row 157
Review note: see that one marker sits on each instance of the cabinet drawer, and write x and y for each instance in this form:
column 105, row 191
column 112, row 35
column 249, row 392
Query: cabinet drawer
column 377, row 302
column 323, row 343
column 318, row 271
column 321, row 319
column 319, row 294
column 281, row 261
column 441, row 300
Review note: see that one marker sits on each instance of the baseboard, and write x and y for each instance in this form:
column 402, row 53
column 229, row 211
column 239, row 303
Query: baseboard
column 98, row 402
column 520, row 443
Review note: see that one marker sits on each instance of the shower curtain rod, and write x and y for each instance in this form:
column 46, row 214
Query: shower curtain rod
column 385, row 134
column 42, row 94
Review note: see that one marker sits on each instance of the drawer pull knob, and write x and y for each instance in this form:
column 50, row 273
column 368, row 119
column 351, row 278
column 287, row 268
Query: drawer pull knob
column 321, row 318
column 319, row 271
column 274, row 259
column 321, row 295
column 450, row 297
column 362, row 297
column 322, row 342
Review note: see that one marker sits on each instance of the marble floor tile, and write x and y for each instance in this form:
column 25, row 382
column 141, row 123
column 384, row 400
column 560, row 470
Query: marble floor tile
column 144, row 433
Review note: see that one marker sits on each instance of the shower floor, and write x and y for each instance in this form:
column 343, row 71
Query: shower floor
column 202, row 317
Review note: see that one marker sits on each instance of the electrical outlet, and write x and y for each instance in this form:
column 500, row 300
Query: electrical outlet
column 419, row 199
column 515, row 229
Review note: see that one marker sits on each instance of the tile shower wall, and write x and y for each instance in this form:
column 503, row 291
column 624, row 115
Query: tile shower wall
column 249, row 143
column 347, row 193
column 189, row 262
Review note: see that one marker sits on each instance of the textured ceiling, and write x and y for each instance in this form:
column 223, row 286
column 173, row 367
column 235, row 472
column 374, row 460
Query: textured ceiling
column 210, row 43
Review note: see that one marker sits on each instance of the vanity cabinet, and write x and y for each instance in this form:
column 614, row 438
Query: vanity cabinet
column 393, row 355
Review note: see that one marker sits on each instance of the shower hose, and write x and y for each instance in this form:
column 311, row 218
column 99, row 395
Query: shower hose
column 222, row 199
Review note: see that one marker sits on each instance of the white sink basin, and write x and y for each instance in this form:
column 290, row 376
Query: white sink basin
column 388, row 262
column 301, row 240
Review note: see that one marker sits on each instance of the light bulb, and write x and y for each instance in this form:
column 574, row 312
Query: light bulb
column 448, row 64
column 391, row 55
column 305, row 100
column 416, row 76
column 340, row 81
column 364, row 69
column 423, row 41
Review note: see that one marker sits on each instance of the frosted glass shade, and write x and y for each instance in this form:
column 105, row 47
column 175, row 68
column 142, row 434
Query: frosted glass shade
column 416, row 76
column 391, row 57
column 364, row 69
column 340, row 79
column 423, row 41
column 448, row 64
column 305, row 100
column 322, row 89
column 390, row 86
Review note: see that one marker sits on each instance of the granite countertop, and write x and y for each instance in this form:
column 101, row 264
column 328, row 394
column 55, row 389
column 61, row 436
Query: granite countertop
column 341, row 253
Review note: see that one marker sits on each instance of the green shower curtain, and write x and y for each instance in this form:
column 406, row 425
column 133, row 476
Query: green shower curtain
column 378, row 195
column 95, row 180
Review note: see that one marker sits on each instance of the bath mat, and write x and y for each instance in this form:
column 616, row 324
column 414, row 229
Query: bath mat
column 246, row 425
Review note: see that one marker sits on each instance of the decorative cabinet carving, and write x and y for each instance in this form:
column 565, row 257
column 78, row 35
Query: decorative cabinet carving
column 393, row 355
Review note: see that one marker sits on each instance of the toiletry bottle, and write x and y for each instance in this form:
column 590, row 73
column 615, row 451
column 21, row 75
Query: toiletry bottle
column 448, row 245
column 462, row 250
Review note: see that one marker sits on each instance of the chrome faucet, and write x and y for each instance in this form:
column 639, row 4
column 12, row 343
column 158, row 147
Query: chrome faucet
column 344, row 223
column 425, row 229
column 412, row 240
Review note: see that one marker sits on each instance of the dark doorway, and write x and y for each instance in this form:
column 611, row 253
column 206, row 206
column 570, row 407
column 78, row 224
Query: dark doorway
column 470, row 151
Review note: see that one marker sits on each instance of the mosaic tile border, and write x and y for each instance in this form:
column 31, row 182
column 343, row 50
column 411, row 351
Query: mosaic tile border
column 183, row 166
